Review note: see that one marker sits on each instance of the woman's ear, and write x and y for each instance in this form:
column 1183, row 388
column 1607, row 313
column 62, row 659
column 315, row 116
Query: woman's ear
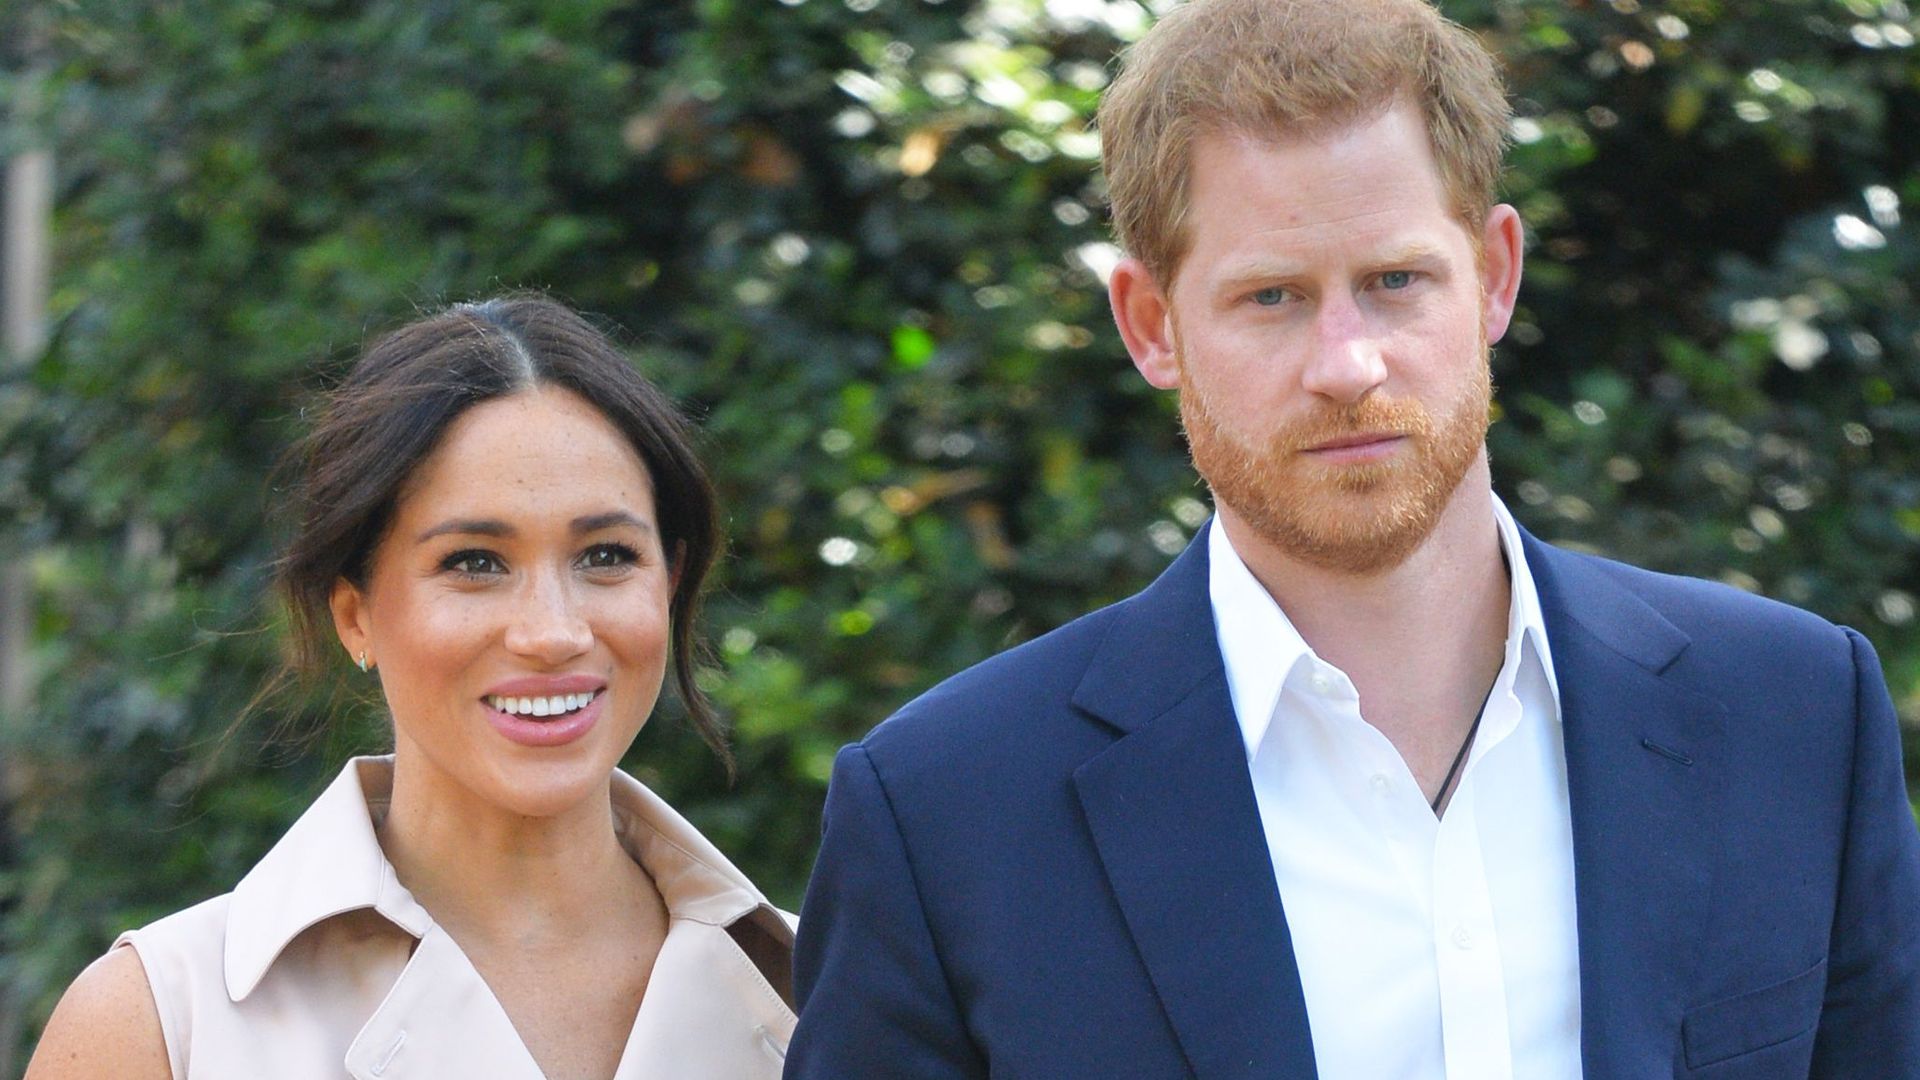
column 350, row 622
column 676, row 563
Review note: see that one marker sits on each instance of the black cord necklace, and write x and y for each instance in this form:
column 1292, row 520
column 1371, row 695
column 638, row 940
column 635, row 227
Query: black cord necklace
column 1461, row 757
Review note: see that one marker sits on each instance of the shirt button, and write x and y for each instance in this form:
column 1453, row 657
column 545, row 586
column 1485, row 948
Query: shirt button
column 1462, row 938
column 1379, row 783
column 1321, row 684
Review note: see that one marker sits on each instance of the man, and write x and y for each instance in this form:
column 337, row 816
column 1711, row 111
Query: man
column 1370, row 783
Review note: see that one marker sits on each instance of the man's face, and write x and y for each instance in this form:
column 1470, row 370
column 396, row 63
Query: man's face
column 1329, row 339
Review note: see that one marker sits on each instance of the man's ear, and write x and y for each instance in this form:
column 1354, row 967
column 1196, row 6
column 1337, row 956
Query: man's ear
column 1502, row 244
column 350, row 621
column 1144, row 314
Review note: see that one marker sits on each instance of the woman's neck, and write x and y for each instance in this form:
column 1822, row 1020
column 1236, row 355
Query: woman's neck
column 489, row 875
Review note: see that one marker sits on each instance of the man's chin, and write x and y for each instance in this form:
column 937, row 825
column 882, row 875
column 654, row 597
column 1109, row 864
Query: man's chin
column 1363, row 524
column 1356, row 549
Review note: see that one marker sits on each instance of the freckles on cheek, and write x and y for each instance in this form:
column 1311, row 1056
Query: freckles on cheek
column 436, row 624
column 464, row 626
column 636, row 629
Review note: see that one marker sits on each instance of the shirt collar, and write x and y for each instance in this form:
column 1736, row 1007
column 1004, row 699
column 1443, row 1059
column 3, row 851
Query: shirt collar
column 1257, row 640
column 330, row 863
column 1526, row 621
column 1261, row 649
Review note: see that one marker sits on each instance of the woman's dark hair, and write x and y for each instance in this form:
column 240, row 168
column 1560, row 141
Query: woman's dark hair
column 396, row 403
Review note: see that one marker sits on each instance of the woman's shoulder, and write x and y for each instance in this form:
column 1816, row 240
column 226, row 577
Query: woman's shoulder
column 114, row 1020
column 106, row 1024
column 180, row 955
column 303, row 941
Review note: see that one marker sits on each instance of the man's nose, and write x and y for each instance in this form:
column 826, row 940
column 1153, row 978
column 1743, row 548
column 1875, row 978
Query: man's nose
column 547, row 624
column 1346, row 364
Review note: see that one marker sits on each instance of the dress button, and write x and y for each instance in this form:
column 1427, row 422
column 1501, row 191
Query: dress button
column 1462, row 938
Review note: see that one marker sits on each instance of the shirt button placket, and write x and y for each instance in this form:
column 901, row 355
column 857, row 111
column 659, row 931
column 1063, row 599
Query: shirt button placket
column 1473, row 997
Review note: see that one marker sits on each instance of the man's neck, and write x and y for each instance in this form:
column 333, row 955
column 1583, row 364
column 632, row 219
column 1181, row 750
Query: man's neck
column 1422, row 641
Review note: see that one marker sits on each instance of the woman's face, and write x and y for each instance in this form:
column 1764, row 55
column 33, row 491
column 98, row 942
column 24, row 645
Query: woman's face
column 516, row 609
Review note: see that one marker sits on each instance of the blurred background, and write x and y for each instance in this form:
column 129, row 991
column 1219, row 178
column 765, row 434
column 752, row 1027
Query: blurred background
column 863, row 241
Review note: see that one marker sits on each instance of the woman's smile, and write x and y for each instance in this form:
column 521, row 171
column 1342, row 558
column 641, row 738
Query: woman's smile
column 540, row 727
column 518, row 606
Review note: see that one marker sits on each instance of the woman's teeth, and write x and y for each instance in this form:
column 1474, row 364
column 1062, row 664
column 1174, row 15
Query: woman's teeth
column 539, row 706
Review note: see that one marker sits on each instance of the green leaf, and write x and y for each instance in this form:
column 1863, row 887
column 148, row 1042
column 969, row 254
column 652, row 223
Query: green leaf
column 912, row 347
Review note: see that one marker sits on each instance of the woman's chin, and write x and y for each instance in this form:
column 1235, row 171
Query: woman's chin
column 551, row 788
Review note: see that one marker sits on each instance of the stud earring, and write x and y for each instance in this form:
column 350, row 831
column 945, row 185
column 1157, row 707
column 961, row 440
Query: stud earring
column 361, row 660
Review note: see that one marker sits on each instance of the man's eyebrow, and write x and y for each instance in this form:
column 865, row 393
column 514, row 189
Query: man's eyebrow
column 1268, row 269
column 466, row 527
column 1262, row 268
column 610, row 519
column 1412, row 251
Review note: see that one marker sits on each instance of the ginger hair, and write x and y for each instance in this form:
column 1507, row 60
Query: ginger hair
column 1283, row 70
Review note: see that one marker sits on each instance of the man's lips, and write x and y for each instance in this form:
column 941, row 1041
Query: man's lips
column 1347, row 442
column 1363, row 449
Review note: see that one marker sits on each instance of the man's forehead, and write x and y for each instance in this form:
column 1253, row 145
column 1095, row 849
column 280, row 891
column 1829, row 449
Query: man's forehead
column 1348, row 186
column 1353, row 179
column 1304, row 131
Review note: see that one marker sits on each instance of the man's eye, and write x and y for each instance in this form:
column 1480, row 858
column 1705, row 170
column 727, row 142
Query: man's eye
column 1396, row 279
column 1269, row 297
column 473, row 563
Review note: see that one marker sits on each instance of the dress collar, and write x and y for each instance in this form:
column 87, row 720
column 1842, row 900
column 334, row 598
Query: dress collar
column 330, row 863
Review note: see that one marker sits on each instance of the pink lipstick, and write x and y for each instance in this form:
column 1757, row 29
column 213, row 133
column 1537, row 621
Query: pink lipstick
column 550, row 710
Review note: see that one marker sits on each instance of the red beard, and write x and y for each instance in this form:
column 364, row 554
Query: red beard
column 1363, row 518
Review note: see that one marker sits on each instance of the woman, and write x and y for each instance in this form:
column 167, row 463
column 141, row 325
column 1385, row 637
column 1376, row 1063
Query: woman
column 504, row 524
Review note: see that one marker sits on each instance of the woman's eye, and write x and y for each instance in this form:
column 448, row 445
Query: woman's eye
column 1396, row 279
column 606, row 556
column 473, row 563
column 1269, row 297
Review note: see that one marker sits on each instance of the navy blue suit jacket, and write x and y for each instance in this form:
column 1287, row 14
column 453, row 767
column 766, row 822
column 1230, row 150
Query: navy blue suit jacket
column 1051, row 866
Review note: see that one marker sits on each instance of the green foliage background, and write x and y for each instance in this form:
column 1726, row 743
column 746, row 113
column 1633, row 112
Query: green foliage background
column 861, row 240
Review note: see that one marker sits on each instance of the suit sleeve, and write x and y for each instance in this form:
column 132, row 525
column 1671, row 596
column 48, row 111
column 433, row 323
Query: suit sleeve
column 874, row 999
column 1870, row 1021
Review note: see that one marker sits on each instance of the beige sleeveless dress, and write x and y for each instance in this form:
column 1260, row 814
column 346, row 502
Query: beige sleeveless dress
column 320, row 964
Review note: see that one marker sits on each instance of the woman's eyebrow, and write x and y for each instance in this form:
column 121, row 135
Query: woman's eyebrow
column 611, row 519
column 466, row 526
column 499, row 529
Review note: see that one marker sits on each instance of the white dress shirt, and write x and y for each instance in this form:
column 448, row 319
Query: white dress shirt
column 1427, row 947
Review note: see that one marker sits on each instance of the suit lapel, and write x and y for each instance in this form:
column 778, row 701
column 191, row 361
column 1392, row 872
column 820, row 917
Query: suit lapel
column 1646, row 782
column 1171, row 808
column 1173, row 816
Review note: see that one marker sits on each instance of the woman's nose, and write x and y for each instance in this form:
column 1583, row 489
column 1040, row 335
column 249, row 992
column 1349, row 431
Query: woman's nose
column 547, row 624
